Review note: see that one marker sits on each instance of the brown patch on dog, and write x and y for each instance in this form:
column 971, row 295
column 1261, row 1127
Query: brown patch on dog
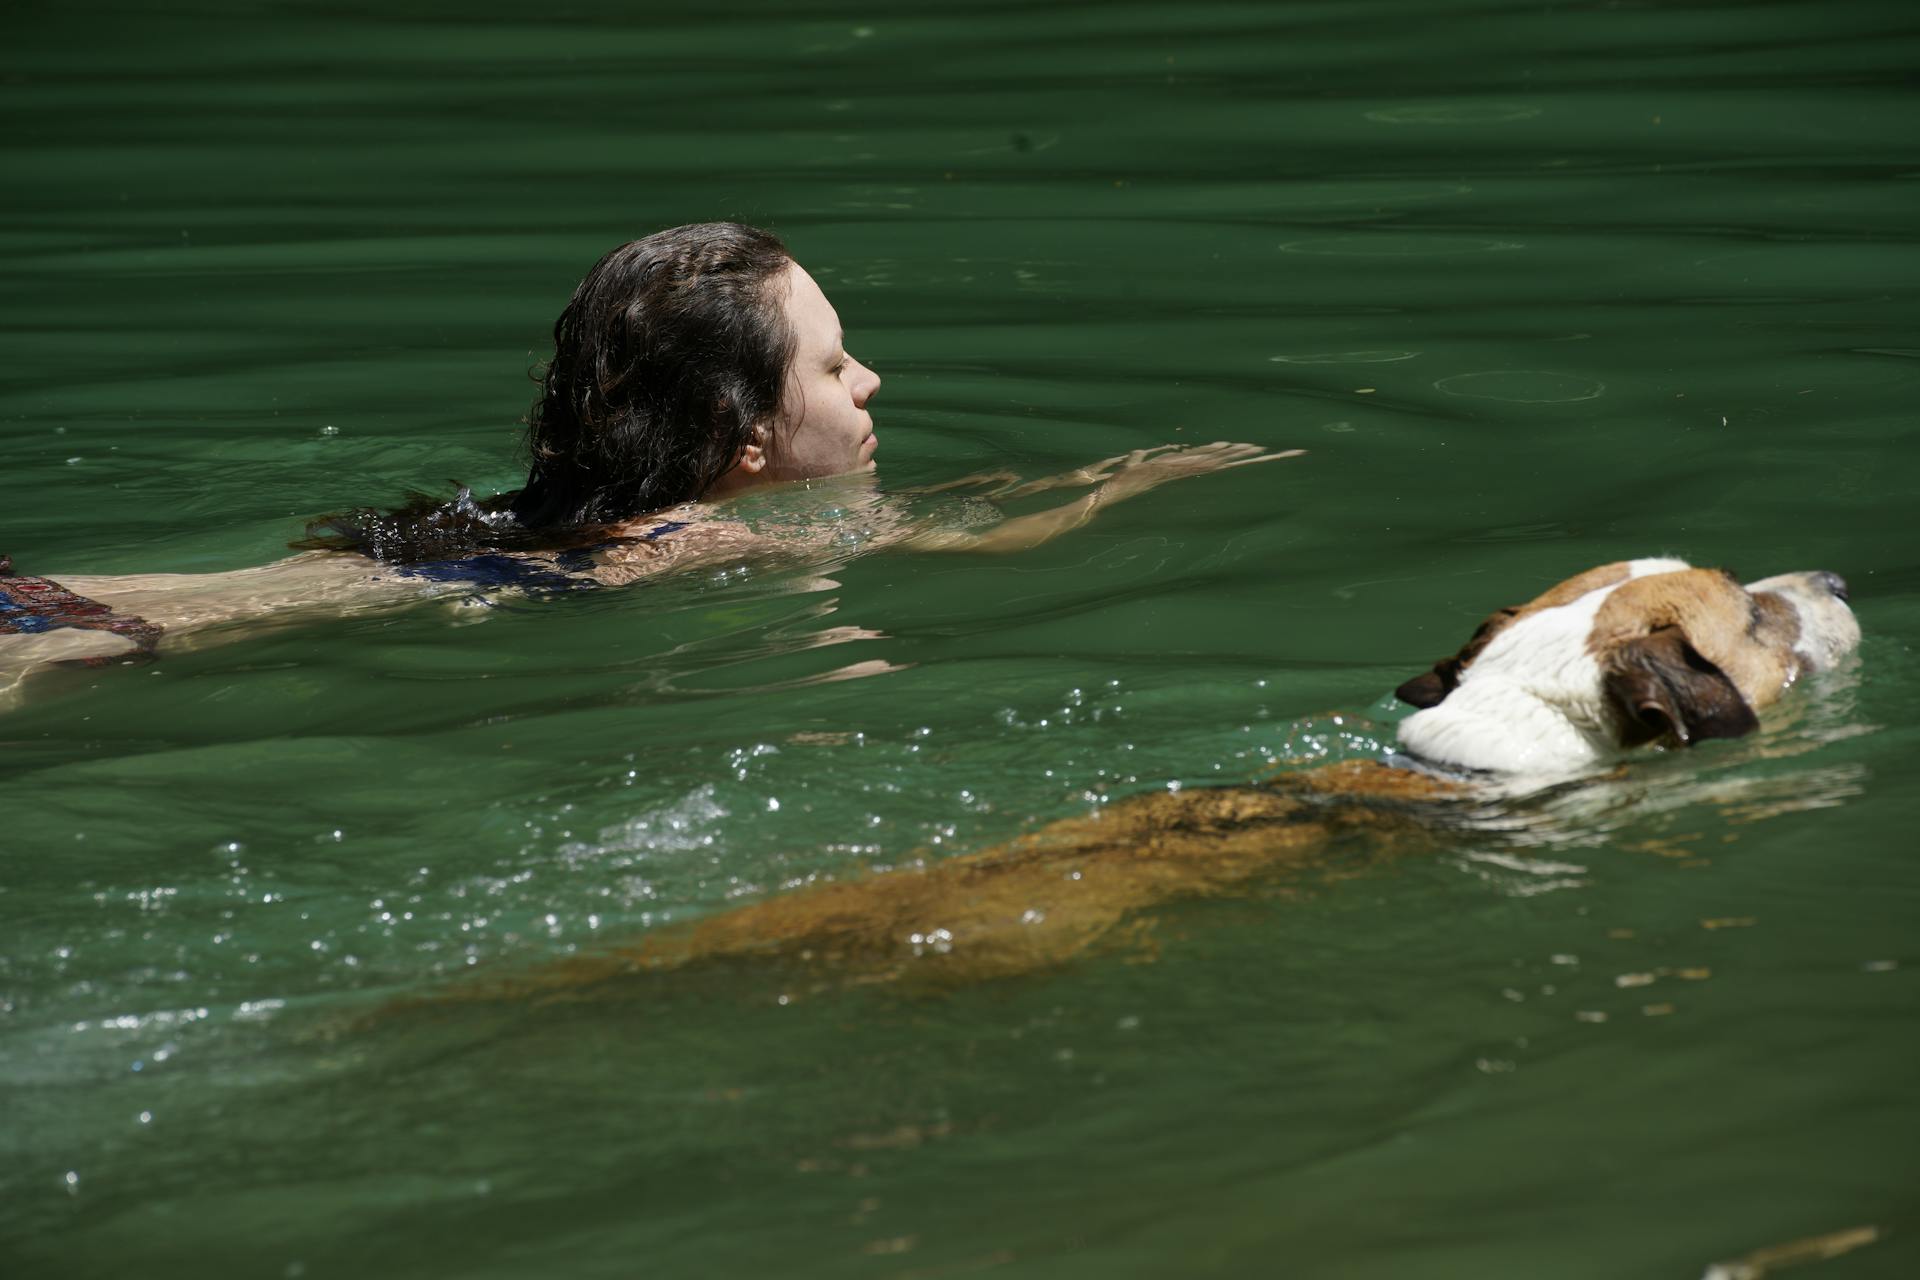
column 1777, row 623
column 1693, row 655
column 1035, row 903
column 1431, row 689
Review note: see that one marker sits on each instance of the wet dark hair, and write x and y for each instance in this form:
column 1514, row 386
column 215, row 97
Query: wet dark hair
column 669, row 353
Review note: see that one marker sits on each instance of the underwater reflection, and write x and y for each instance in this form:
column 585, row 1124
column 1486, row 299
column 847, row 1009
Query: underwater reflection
column 1082, row 886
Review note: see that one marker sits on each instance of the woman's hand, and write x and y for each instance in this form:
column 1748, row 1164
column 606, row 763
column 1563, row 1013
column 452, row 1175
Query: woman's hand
column 1163, row 462
column 1144, row 469
column 1116, row 479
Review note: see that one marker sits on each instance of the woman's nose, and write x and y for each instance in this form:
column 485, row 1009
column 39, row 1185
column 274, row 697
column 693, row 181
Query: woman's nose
column 865, row 385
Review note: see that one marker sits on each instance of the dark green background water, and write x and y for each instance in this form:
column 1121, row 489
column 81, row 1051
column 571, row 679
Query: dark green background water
column 1540, row 285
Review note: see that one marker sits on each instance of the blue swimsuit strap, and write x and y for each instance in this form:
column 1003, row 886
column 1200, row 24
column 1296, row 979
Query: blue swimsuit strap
column 491, row 571
column 497, row 570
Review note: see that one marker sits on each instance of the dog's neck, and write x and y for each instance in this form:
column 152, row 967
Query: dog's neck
column 1501, row 726
column 1531, row 704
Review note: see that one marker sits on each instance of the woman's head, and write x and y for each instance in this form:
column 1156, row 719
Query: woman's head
column 669, row 355
column 695, row 362
column 822, row 427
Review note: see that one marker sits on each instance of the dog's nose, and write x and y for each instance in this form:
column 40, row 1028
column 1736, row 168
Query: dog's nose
column 1833, row 582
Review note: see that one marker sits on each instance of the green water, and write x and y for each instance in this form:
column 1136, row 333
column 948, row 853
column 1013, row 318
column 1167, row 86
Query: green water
column 1538, row 285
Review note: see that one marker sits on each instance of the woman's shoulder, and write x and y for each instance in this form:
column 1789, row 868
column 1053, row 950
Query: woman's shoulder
column 681, row 537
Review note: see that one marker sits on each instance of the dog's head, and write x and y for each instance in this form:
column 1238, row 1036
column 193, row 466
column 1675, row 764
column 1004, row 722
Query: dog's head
column 1629, row 653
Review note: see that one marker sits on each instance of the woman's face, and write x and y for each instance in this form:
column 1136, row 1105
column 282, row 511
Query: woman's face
column 823, row 427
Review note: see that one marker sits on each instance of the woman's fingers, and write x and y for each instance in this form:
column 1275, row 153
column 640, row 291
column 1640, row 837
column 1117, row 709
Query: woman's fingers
column 1130, row 471
column 1099, row 469
column 1267, row 457
column 1143, row 473
column 1227, row 453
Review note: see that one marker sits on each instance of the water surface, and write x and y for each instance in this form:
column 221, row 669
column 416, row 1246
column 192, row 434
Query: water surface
column 1537, row 286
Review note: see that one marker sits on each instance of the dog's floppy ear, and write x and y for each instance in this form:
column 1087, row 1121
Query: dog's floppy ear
column 1662, row 685
column 1431, row 689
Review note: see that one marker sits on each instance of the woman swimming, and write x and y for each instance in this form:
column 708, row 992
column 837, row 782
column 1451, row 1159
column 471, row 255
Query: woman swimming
column 689, row 368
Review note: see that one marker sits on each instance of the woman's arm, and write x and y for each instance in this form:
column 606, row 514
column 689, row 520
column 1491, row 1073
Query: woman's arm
column 189, row 610
column 105, row 620
column 1010, row 484
column 1118, row 478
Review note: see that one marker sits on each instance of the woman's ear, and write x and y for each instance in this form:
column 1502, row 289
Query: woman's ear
column 752, row 460
column 747, row 466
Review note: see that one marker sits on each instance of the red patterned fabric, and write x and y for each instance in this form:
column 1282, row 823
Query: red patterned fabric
column 30, row 605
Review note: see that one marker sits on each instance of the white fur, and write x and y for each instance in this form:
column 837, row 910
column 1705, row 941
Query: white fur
column 1532, row 702
column 1828, row 629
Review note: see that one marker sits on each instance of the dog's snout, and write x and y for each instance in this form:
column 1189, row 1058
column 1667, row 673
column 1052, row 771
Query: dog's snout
column 1834, row 583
